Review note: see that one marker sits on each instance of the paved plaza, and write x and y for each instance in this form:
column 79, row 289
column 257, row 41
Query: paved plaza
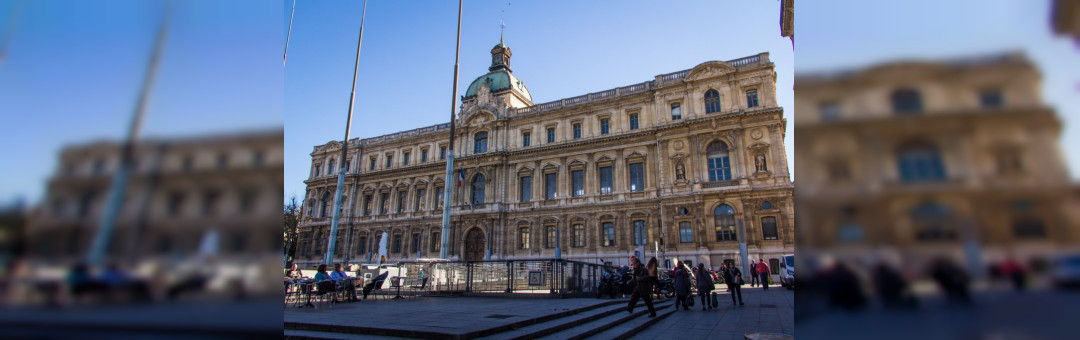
column 469, row 317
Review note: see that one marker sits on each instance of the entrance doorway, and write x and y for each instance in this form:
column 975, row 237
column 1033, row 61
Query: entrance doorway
column 474, row 245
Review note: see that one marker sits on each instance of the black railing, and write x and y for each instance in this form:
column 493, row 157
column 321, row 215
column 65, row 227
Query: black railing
column 555, row 278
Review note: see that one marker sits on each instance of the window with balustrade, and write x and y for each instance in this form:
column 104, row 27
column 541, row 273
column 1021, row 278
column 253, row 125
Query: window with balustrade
column 718, row 161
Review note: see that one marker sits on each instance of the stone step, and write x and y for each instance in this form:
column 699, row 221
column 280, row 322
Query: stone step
column 555, row 325
column 626, row 330
column 292, row 334
column 343, row 330
column 602, row 324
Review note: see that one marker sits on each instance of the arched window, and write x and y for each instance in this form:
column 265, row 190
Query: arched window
column 712, row 101
column 1028, row 227
column 906, row 101
column 325, row 204
column 478, row 189
column 549, row 237
column 523, row 238
column 933, row 222
column 330, row 169
column 719, row 161
column 579, row 235
column 724, row 217
column 920, row 162
column 480, row 144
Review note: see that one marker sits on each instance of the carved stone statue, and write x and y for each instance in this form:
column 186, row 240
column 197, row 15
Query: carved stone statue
column 680, row 172
column 759, row 161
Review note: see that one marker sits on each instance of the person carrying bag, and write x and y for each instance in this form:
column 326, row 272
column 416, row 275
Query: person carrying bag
column 734, row 280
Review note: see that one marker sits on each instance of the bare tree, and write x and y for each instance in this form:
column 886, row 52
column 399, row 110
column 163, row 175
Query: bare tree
column 292, row 213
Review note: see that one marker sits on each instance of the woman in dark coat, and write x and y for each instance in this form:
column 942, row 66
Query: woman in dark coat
column 682, row 287
column 733, row 278
column 704, row 286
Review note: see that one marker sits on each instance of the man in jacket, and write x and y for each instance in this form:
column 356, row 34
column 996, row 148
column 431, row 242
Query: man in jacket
column 732, row 276
column 763, row 273
column 339, row 275
column 643, row 289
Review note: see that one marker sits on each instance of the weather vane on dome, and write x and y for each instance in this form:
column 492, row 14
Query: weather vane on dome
column 502, row 24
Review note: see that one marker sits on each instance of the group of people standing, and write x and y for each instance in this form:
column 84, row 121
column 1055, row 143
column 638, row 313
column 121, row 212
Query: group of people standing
column 646, row 277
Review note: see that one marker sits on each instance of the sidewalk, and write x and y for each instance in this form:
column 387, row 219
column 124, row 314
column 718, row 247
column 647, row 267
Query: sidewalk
column 770, row 311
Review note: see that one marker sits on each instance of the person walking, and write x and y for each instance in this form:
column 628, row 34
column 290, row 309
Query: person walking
column 753, row 274
column 682, row 287
column 654, row 279
column 763, row 273
column 643, row 289
column 704, row 286
column 733, row 278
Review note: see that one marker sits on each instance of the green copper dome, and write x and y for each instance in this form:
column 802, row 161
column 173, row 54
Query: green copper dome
column 498, row 80
column 499, row 77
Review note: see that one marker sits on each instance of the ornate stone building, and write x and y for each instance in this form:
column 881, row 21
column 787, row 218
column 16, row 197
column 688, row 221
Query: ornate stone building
column 179, row 191
column 920, row 157
column 682, row 159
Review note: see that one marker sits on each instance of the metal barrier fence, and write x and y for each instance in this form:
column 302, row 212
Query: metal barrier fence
column 560, row 278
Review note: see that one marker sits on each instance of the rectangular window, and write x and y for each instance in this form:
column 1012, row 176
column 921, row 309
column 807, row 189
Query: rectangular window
column 372, row 167
column 637, row 177
column 686, row 234
column 524, row 139
column 605, row 180
column 550, row 185
column 676, row 112
column 442, row 153
column 578, row 179
column 604, row 126
column 419, row 205
column 551, row 135
column 389, row 161
column 401, row 198
column 405, row 158
column 423, row 156
column 367, row 205
column 768, row 228
column 991, row 99
column 526, row 189
column 439, row 193
column 609, row 234
column 751, row 99
column 830, row 111
column 385, row 204
column 639, row 233
column 579, row 235
column 549, row 237
column 436, row 242
column 633, row 121
column 774, row 266
column 523, row 238
column 397, row 245
column 577, row 130
column 719, row 169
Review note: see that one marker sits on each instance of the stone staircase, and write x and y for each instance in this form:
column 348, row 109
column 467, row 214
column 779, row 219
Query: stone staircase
column 604, row 320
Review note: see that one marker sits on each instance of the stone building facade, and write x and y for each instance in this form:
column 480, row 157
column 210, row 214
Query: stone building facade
column 179, row 191
column 682, row 159
column 919, row 158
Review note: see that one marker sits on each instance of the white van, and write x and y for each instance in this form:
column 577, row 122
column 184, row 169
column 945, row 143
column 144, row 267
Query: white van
column 787, row 272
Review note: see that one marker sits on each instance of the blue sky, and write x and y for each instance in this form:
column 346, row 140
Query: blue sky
column 876, row 31
column 560, row 49
column 73, row 70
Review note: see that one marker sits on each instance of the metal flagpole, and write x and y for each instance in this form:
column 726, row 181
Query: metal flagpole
column 287, row 35
column 445, row 235
column 344, row 151
column 127, row 153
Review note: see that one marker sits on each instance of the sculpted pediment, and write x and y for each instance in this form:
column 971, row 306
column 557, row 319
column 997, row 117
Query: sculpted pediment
column 709, row 69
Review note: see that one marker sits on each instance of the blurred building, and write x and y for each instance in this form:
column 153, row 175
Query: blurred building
column 1065, row 18
column 917, row 158
column 180, row 190
column 682, row 159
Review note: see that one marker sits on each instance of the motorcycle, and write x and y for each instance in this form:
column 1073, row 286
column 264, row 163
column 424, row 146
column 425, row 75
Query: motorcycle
column 612, row 283
column 666, row 288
